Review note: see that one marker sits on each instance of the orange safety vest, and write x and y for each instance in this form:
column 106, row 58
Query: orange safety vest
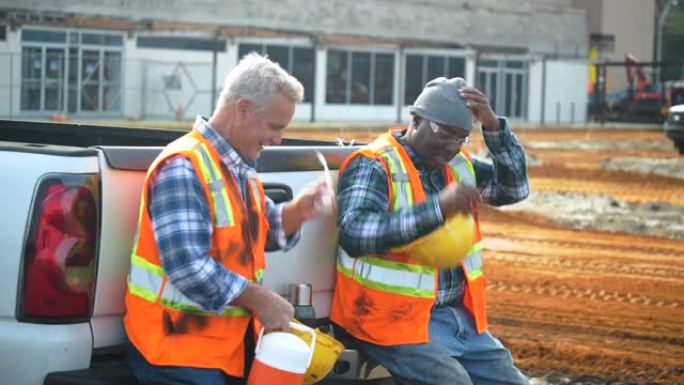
column 386, row 299
column 169, row 328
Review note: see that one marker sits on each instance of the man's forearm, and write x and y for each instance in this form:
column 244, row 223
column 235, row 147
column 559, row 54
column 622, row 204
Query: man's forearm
column 505, row 181
column 292, row 220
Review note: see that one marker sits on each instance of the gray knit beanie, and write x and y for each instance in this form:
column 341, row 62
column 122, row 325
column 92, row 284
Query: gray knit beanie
column 440, row 102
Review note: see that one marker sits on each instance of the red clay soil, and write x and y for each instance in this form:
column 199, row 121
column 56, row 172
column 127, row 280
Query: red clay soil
column 586, row 303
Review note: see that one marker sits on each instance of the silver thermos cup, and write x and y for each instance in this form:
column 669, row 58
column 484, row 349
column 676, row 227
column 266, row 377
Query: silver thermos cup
column 299, row 295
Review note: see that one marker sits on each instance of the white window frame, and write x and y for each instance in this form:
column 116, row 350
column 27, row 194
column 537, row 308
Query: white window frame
column 499, row 72
column 66, row 47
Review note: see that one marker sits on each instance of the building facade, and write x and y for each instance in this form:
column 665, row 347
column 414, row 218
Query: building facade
column 358, row 61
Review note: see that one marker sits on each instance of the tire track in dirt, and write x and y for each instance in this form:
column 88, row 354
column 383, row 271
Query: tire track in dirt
column 588, row 245
column 536, row 261
column 588, row 330
column 566, row 291
column 623, row 185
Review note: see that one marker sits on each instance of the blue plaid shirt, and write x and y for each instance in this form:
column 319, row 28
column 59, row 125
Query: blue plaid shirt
column 182, row 225
column 367, row 227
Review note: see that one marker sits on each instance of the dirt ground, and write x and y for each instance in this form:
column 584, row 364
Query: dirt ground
column 586, row 277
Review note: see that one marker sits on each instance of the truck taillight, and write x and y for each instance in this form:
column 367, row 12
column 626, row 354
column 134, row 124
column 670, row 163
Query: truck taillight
column 58, row 278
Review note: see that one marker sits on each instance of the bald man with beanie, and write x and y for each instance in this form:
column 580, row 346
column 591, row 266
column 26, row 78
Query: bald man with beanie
column 425, row 325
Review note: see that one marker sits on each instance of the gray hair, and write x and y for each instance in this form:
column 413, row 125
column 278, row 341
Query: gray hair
column 259, row 79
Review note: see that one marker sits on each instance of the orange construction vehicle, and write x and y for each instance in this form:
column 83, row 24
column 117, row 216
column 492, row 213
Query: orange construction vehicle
column 641, row 102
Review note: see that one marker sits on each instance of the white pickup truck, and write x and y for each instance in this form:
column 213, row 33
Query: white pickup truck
column 67, row 219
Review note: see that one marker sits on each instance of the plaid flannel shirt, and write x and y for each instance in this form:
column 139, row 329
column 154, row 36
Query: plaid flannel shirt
column 182, row 226
column 367, row 227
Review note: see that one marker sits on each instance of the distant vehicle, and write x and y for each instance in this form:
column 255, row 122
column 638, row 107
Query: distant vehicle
column 640, row 102
column 674, row 94
column 674, row 126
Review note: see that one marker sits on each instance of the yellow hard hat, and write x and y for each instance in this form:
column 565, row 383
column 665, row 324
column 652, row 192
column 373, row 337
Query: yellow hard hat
column 445, row 247
column 326, row 352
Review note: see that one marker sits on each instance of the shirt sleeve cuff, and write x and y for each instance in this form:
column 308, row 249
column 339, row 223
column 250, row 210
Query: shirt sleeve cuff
column 238, row 284
column 497, row 140
column 284, row 243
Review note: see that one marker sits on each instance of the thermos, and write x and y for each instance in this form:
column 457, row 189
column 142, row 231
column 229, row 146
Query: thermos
column 299, row 295
column 281, row 358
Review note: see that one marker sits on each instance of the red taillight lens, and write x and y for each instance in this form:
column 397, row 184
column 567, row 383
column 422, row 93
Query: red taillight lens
column 58, row 277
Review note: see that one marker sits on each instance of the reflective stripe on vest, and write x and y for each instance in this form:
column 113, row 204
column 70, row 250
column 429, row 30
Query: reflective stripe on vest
column 146, row 279
column 463, row 170
column 388, row 276
column 381, row 274
column 401, row 186
column 472, row 265
column 259, row 276
column 211, row 173
column 465, row 173
column 251, row 181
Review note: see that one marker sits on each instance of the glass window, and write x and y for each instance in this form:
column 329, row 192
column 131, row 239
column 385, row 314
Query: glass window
column 74, row 79
column 489, row 63
column 31, row 74
column 482, row 81
column 384, row 78
column 244, row 49
column 456, row 67
column 102, row 39
column 420, row 69
column 298, row 61
column 505, row 83
column 111, row 98
column 74, row 37
column 111, row 76
column 414, row 78
column 3, row 32
column 360, row 79
column 43, row 36
column 90, row 79
column 54, row 64
column 493, row 89
column 112, row 66
column 369, row 80
column 337, row 75
column 279, row 54
column 72, row 97
column 514, row 64
column 435, row 67
column 303, row 69
column 54, row 79
column 519, row 93
column 32, row 63
column 508, row 110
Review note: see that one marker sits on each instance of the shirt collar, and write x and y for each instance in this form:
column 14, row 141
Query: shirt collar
column 228, row 155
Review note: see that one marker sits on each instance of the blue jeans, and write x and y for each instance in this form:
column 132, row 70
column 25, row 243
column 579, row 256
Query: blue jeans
column 148, row 374
column 456, row 354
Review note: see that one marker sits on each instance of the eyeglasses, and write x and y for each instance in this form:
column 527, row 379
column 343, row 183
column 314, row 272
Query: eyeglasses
column 446, row 134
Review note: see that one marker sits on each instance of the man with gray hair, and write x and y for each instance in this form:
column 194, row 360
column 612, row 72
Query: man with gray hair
column 426, row 325
column 204, row 226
